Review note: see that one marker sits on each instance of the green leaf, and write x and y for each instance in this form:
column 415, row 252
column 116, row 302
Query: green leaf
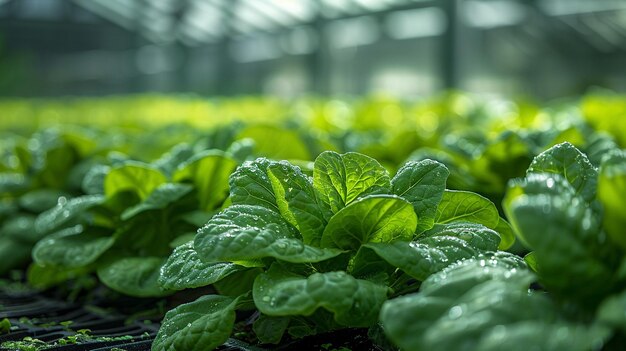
column 354, row 302
column 458, row 306
column 374, row 218
column 466, row 206
column 564, row 233
column 163, row 196
column 422, row 184
column 243, row 232
column 65, row 211
column 612, row 195
column 341, row 179
column 209, row 172
column 134, row 276
column 566, row 160
column 138, row 178
column 73, row 247
column 507, row 235
column 46, row 276
column 201, row 325
column 444, row 246
column 184, row 269
column 476, row 235
column 270, row 330
column 250, row 185
column 296, row 200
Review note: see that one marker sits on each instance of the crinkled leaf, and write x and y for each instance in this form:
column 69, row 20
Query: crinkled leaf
column 354, row 302
column 138, row 178
column 184, row 269
column 243, row 232
column 296, row 200
column 250, row 185
column 374, row 218
column 65, row 211
column 164, row 195
column 442, row 248
column 209, row 172
column 422, row 183
column 134, row 276
column 73, row 247
column 269, row 330
column 466, row 206
column 342, row 178
column 201, row 325
column 566, row 160
column 476, row 235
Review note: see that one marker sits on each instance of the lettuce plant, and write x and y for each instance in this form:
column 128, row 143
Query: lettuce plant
column 314, row 254
column 131, row 219
column 570, row 215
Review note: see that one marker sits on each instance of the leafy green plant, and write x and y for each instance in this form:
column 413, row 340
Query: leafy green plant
column 134, row 215
column 564, row 211
column 313, row 254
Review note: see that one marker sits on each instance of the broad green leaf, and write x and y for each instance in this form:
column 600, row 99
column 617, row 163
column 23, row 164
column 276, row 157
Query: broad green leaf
column 476, row 235
column 65, row 211
column 134, row 276
column 566, row 160
column 461, row 303
column 138, row 178
column 564, row 234
column 209, row 172
column 243, row 232
column 73, row 247
column 270, row 330
column 422, row 183
column 612, row 195
column 466, row 206
column 442, row 248
column 296, row 200
column 163, row 196
column 238, row 283
column 184, row 269
column 354, row 302
column 492, row 314
column 201, row 325
column 341, row 179
column 374, row 218
column 250, row 185
column 39, row 200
